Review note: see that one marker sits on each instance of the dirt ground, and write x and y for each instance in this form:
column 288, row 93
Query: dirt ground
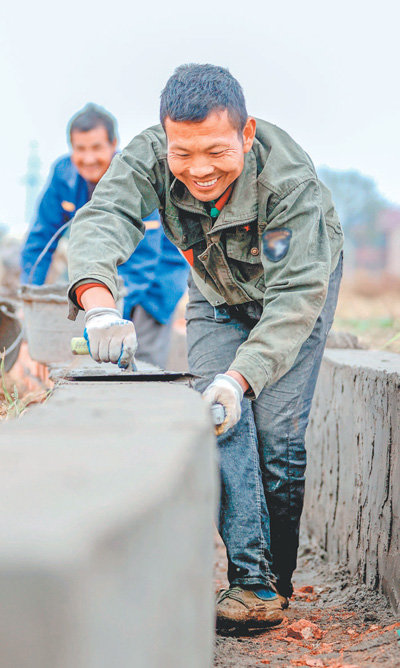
column 344, row 625
column 370, row 310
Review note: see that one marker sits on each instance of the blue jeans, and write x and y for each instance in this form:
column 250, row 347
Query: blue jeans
column 263, row 457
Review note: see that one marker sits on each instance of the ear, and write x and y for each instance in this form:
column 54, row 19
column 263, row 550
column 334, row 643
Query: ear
column 249, row 132
column 114, row 143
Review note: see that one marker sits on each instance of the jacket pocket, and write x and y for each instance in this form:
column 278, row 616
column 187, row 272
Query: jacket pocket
column 333, row 226
column 242, row 245
column 244, row 257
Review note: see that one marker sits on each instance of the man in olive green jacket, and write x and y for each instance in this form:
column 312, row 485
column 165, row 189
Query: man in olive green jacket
column 242, row 201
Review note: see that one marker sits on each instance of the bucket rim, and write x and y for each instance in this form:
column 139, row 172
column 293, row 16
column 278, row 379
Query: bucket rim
column 52, row 292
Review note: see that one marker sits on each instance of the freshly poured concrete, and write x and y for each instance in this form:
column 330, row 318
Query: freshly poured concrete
column 108, row 497
column 352, row 504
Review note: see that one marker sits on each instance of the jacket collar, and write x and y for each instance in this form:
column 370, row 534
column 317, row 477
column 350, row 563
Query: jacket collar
column 242, row 206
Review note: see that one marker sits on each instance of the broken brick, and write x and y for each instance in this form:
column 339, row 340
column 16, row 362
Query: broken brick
column 396, row 626
column 303, row 629
column 308, row 661
column 307, row 589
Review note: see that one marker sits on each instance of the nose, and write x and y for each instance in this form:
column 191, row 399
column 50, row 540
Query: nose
column 200, row 169
column 89, row 159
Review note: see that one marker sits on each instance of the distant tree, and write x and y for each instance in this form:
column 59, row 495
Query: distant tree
column 358, row 203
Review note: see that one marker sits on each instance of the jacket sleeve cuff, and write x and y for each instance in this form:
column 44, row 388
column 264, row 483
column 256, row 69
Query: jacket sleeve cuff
column 74, row 306
column 252, row 369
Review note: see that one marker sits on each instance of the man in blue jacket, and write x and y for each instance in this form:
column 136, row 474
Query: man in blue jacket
column 155, row 277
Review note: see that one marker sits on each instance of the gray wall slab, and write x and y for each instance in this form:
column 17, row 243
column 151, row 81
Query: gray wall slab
column 352, row 504
column 106, row 530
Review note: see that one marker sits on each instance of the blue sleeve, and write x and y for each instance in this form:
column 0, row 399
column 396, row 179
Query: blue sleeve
column 170, row 282
column 139, row 271
column 49, row 218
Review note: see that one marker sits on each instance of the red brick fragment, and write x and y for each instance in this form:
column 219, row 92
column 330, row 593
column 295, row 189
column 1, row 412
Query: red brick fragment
column 294, row 640
column 306, row 593
column 396, row 626
column 303, row 629
column 308, row 661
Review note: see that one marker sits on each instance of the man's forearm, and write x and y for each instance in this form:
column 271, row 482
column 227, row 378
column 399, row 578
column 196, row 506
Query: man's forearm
column 97, row 297
column 240, row 379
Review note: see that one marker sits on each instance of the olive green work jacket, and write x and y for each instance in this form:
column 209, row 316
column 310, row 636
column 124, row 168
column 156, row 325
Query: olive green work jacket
column 276, row 241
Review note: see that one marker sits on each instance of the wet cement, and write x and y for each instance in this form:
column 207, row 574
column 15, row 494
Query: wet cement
column 356, row 627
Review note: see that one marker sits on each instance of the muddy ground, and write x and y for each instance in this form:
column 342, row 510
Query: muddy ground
column 344, row 624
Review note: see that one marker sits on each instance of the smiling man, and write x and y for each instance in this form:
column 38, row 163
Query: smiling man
column 243, row 203
column 148, row 300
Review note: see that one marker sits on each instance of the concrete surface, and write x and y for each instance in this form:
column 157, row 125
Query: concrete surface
column 106, row 536
column 352, row 504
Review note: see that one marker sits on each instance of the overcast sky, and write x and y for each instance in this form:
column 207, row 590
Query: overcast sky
column 325, row 72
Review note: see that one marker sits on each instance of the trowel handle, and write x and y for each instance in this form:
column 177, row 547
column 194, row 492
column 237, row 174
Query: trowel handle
column 218, row 414
column 79, row 346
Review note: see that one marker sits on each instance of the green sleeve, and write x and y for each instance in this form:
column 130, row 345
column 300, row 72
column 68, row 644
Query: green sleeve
column 295, row 288
column 106, row 231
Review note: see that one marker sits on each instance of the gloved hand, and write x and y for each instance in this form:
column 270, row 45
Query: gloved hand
column 110, row 337
column 225, row 390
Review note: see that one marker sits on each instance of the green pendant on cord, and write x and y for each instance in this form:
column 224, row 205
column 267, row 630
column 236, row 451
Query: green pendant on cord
column 214, row 212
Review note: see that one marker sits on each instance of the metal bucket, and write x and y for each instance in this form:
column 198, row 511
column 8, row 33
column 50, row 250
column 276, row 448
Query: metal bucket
column 10, row 332
column 46, row 326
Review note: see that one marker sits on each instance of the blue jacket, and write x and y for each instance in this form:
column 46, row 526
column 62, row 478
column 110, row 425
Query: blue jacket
column 155, row 275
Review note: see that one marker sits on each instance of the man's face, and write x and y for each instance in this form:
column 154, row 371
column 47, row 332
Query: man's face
column 207, row 156
column 92, row 152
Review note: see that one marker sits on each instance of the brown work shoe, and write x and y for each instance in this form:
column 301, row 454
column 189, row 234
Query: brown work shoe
column 241, row 607
column 283, row 599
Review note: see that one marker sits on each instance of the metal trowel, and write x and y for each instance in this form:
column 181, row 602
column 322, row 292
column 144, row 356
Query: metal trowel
column 79, row 346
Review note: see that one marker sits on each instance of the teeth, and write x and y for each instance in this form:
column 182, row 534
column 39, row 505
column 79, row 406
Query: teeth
column 206, row 184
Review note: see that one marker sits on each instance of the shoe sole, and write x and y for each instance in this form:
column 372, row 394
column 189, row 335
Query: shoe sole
column 225, row 623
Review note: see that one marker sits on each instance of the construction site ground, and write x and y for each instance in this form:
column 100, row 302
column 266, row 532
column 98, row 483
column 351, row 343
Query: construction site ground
column 333, row 621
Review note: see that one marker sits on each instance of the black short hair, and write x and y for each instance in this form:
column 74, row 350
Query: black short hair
column 194, row 91
column 90, row 117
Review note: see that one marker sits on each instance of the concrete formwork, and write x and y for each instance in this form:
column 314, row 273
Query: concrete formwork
column 106, row 538
column 352, row 504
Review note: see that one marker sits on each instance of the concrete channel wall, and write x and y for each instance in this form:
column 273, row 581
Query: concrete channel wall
column 352, row 505
column 106, row 529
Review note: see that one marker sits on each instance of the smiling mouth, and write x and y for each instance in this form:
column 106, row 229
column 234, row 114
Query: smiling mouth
column 206, row 184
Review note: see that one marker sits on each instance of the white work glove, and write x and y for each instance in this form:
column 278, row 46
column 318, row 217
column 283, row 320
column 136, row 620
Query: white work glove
column 110, row 337
column 225, row 390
